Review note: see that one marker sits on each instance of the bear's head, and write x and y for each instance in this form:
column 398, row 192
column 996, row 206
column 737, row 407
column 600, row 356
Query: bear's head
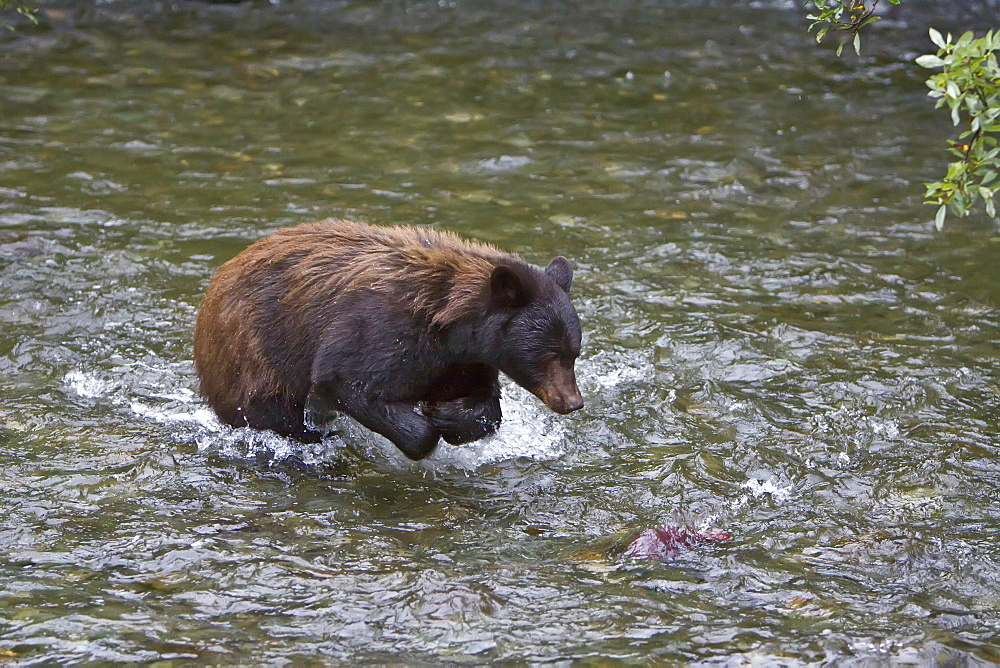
column 537, row 332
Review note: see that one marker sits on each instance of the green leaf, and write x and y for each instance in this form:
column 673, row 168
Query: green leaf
column 937, row 38
column 929, row 61
column 939, row 218
column 857, row 43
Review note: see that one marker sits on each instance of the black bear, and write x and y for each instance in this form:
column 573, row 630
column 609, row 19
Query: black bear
column 403, row 329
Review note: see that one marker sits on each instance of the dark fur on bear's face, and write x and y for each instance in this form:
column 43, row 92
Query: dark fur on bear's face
column 536, row 332
column 403, row 329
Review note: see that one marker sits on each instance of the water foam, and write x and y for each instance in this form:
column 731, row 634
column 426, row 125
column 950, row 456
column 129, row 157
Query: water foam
column 756, row 489
column 161, row 396
column 528, row 431
column 88, row 386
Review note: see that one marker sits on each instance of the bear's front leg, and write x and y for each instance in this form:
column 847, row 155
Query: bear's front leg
column 465, row 419
column 405, row 426
column 401, row 422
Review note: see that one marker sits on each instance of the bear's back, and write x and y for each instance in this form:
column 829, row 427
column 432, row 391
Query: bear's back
column 435, row 275
column 266, row 309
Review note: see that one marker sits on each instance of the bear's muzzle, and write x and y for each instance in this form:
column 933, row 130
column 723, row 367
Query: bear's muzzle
column 560, row 392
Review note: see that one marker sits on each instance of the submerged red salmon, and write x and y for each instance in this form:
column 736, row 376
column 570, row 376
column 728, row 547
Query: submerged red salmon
column 667, row 541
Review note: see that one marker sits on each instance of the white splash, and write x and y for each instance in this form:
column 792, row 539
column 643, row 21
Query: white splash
column 525, row 433
column 87, row 385
column 755, row 490
column 199, row 416
column 760, row 488
column 163, row 395
column 528, row 431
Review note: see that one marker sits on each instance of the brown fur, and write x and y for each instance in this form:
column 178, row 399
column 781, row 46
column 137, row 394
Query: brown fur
column 438, row 275
column 387, row 258
column 404, row 329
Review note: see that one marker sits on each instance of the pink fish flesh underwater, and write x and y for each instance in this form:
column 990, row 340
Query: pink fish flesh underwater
column 667, row 541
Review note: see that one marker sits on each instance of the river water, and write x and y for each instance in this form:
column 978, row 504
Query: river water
column 777, row 344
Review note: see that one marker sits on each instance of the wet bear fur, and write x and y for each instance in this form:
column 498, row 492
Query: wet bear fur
column 403, row 329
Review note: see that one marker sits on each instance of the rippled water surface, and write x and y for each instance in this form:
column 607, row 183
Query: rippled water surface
column 777, row 342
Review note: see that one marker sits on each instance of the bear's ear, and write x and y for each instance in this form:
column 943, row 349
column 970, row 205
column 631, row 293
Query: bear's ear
column 508, row 288
column 560, row 271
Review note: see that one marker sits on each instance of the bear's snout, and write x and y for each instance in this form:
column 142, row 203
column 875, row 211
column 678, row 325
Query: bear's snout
column 560, row 393
column 567, row 404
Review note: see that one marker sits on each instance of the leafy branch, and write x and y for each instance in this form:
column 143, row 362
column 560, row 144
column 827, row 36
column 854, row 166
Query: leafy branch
column 23, row 10
column 969, row 85
column 849, row 16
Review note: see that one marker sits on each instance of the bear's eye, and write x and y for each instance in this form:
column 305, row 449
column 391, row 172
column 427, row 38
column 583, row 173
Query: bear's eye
column 567, row 352
column 563, row 356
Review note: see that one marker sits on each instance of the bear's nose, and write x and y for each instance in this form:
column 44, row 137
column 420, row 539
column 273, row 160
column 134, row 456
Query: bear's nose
column 572, row 403
column 559, row 391
column 564, row 404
